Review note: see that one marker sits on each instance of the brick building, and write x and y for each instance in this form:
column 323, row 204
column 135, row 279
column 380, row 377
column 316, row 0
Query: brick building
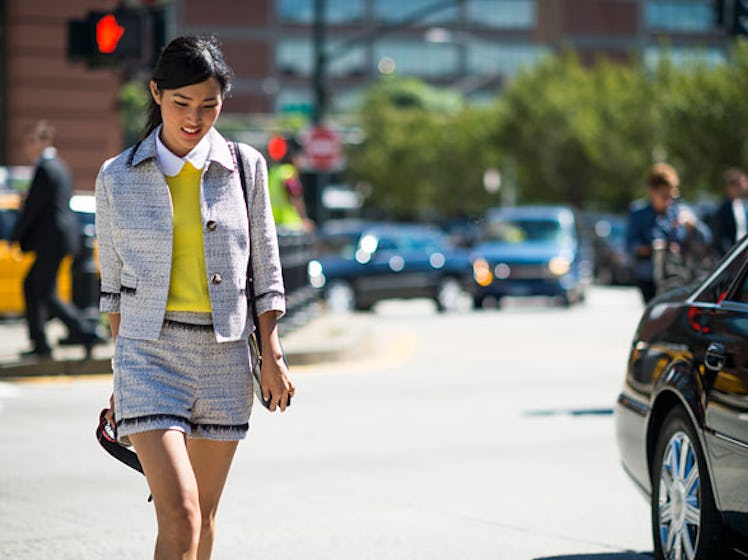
column 473, row 45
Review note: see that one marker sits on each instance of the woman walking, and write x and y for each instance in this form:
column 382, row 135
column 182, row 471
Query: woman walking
column 174, row 241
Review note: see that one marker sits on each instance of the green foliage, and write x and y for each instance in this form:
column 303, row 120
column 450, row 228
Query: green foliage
column 568, row 133
column 133, row 103
column 424, row 151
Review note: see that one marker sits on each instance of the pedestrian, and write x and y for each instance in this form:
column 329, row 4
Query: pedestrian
column 287, row 192
column 664, row 222
column 48, row 227
column 731, row 218
column 174, row 242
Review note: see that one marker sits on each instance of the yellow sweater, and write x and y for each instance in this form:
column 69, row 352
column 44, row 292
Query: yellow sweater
column 188, row 286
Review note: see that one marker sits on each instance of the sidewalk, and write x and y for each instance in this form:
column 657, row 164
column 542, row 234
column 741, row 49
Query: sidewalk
column 324, row 338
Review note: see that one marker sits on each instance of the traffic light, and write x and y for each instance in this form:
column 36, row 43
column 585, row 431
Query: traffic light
column 739, row 23
column 122, row 36
column 277, row 148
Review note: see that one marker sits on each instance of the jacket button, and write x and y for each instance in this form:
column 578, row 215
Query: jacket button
column 216, row 278
column 211, row 225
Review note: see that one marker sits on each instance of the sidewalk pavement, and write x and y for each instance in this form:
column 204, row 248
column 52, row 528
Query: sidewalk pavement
column 325, row 337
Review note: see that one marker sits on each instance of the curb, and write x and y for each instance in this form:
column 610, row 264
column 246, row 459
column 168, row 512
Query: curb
column 327, row 338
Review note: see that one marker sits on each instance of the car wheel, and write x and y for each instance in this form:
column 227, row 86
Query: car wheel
column 685, row 522
column 340, row 296
column 449, row 295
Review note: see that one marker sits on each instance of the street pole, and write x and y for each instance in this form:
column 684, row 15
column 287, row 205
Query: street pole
column 3, row 82
column 320, row 99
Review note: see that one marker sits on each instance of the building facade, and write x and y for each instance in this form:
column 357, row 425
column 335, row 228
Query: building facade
column 474, row 46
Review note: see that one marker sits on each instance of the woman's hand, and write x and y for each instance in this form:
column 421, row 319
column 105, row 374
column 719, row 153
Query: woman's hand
column 276, row 383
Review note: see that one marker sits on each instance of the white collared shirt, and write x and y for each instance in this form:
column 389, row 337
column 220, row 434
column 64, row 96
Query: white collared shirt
column 171, row 164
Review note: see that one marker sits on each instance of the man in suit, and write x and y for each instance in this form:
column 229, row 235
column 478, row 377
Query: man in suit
column 731, row 218
column 50, row 228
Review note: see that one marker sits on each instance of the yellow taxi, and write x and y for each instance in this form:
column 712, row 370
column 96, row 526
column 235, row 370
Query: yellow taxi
column 14, row 264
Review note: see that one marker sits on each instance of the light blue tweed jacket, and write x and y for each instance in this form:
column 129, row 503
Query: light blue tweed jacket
column 135, row 231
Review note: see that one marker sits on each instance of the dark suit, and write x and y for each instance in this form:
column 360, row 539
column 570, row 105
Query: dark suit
column 49, row 227
column 725, row 228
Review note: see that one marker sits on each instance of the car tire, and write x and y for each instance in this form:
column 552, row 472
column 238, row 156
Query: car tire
column 340, row 297
column 449, row 295
column 685, row 522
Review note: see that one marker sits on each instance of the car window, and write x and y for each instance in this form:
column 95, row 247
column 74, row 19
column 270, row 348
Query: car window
column 741, row 292
column 717, row 289
column 7, row 221
column 522, row 231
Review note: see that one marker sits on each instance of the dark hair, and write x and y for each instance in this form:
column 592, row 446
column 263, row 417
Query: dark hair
column 663, row 175
column 187, row 60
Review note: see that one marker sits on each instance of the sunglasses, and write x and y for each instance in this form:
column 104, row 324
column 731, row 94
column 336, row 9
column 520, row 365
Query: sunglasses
column 107, row 436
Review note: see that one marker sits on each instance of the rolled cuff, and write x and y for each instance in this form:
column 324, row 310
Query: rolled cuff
column 109, row 302
column 273, row 301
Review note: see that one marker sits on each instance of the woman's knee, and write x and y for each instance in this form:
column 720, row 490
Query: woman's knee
column 181, row 521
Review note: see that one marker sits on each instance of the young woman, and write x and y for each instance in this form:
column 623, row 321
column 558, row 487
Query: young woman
column 174, row 241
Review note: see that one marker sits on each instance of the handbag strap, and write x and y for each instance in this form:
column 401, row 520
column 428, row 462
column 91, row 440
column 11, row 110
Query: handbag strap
column 250, row 269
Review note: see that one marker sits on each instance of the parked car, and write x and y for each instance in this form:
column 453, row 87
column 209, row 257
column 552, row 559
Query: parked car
column 14, row 264
column 361, row 264
column 531, row 251
column 682, row 416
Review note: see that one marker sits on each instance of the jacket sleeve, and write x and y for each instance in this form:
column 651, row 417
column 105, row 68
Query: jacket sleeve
column 268, row 278
column 109, row 262
column 40, row 196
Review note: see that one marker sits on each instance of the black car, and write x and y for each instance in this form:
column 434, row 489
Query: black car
column 682, row 417
column 361, row 264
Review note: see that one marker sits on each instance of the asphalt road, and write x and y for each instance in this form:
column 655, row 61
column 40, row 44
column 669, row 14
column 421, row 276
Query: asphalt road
column 478, row 435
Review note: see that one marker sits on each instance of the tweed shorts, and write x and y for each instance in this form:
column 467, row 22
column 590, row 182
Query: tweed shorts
column 183, row 381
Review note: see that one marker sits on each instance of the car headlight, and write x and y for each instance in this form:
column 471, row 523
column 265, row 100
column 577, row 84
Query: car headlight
column 482, row 272
column 559, row 265
column 316, row 275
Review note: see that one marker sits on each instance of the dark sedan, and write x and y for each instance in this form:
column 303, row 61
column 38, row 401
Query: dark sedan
column 682, row 417
column 362, row 264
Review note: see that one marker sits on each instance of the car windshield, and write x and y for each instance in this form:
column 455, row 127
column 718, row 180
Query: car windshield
column 523, row 231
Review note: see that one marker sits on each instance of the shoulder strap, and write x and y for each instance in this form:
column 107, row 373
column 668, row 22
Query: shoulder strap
column 250, row 269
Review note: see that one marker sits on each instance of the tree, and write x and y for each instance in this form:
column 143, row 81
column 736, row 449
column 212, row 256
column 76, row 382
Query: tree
column 424, row 152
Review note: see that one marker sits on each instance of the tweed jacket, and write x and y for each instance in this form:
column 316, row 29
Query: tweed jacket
column 135, row 230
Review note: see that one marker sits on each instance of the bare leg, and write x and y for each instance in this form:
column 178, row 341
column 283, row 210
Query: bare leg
column 210, row 461
column 163, row 454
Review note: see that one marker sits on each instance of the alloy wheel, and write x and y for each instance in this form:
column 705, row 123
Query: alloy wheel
column 679, row 499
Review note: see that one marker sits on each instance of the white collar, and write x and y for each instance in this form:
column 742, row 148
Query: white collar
column 171, row 164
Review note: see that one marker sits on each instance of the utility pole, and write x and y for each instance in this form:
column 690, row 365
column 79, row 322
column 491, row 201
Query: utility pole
column 320, row 61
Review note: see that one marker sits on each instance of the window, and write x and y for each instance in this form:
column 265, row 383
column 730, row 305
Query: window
column 294, row 56
column 517, row 14
column 500, row 58
column 716, row 290
column 352, row 61
column 419, row 58
column 679, row 15
column 391, row 11
column 336, row 11
column 683, row 55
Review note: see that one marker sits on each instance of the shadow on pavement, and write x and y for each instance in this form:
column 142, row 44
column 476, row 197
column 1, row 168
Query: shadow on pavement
column 605, row 556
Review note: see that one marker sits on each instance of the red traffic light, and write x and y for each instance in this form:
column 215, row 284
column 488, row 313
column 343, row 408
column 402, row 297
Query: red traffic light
column 108, row 33
column 277, row 148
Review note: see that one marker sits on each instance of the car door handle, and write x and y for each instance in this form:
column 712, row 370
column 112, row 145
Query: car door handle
column 716, row 356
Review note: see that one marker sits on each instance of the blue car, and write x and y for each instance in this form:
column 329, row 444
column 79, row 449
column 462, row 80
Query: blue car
column 361, row 264
column 530, row 251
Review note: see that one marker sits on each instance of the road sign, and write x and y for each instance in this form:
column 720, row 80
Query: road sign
column 323, row 149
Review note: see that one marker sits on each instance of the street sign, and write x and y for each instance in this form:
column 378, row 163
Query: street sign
column 323, row 149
